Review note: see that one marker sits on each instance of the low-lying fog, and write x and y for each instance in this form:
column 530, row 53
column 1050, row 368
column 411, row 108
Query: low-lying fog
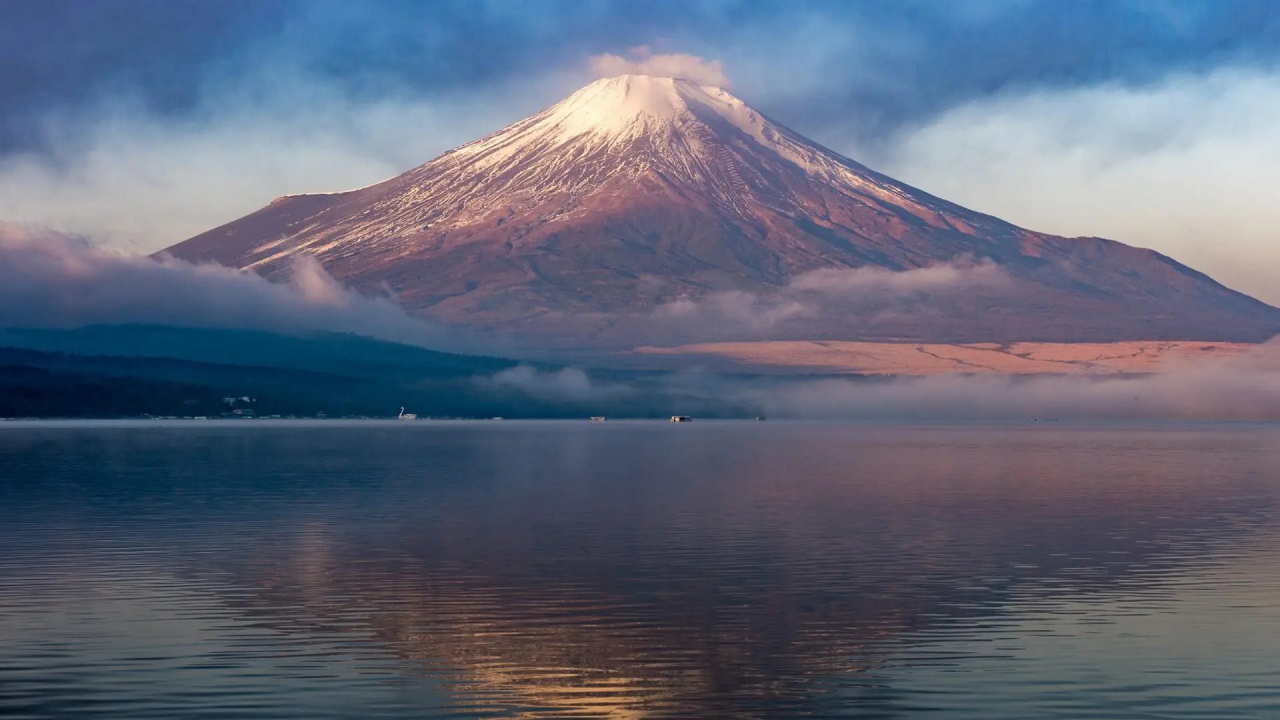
column 56, row 281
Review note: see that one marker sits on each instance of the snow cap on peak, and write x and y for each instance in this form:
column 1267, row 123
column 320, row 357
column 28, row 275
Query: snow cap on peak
column 614, row 111
column 627, row 104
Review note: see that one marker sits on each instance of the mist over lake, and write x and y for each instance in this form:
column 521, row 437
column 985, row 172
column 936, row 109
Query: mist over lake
column 632, row 569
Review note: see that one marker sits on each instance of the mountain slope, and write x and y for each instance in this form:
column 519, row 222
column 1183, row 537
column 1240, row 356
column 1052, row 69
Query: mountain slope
column 646, row 209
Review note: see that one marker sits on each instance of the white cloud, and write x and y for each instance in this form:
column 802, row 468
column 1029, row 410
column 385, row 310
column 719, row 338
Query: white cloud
column 129, row 178
column 866, row 280
column 738, row 309
column 677, row 65
column 828, row 291
column 48, row 279
column 1187, row 166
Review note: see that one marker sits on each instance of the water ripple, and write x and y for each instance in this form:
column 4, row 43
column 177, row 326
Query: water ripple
column 639, row 570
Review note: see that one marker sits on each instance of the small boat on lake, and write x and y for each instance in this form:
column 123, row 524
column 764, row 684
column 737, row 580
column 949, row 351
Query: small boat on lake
column 681, row 418
column 406, row 416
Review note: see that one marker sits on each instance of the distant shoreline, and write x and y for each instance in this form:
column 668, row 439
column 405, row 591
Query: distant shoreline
column 921, row 359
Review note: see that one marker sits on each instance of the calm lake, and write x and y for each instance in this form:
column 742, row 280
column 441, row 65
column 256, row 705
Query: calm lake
column 627, row 569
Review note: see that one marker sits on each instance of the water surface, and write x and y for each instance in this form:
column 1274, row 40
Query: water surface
column 431, row 569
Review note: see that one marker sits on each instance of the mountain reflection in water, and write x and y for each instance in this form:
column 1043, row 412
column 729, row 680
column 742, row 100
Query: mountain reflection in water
column 638, row 570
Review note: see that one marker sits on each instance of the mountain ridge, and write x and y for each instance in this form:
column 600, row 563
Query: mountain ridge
column 592, row 219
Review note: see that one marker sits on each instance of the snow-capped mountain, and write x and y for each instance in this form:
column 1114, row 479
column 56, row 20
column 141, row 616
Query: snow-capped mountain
column 643, row 209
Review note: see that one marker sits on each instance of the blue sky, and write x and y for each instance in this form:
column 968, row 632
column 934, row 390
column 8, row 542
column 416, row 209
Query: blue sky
column 140, row 122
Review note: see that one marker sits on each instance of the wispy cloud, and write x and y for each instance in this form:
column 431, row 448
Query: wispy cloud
column 565, row 384
column 677, row 65
column 741, row 310
column 869, row 291
column 876, row 280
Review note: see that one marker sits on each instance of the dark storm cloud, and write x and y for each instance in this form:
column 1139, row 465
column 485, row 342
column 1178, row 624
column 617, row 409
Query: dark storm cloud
column 929, row 56
column 167, row 54
column 62, row 53
column 886, row 63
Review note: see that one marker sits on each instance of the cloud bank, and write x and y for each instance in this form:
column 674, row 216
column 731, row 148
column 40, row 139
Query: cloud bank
column 856, row 293
column 676, row 65
column 1241, row 388
column 1245, row 390
column 52, row 280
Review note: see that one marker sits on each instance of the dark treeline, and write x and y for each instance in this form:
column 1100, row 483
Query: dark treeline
column 43, row 384
column 30, row 391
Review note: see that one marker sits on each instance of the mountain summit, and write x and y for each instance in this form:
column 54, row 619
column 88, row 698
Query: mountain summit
column 644, row 209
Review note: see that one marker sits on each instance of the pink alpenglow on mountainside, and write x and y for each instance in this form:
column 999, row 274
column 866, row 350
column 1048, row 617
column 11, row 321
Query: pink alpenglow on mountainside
column 637, row 195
